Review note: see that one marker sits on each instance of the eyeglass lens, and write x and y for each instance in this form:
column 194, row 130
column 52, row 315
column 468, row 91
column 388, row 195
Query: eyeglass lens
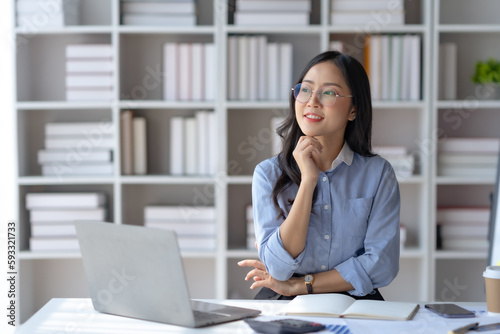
column 326, row 95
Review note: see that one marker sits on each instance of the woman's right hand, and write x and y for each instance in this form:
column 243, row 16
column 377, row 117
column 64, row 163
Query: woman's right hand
column 306, row 154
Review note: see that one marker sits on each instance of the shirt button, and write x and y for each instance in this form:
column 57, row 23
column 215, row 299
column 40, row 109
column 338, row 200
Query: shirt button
column 323, row 267
column 326, row 207
column 324, row 179
column 327, row 236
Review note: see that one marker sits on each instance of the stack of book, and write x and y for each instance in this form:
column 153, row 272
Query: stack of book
column 133, row 144
column 464, row 229
column 472, row 157
column 52, row 217
column 159, row 12
column 194, row 225
column 193, row 144
column 367, row 12
column 271, row 12
column 189, row 72
column 250, row 227
column 393, row 63
column 259, row 70
column 398, row 156
column 89, row 72
column 77, row 148
column 33, row 15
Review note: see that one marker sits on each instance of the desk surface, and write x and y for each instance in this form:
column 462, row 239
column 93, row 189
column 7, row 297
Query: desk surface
column 78, row 316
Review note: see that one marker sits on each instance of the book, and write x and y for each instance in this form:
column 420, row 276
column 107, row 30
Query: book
column 286, row 70
column 61, row 170
column 385, row 68
column 375, row 61
column 468, row 159
column 184, row 20
column 366, row 5
column 53, row 230
column 185, row 76
column 339, row 305
column 465, row 244
column 54, row 244
column 87, row 66
column 472, row 171
column 394, row 17
column 210, row 65
column 192, row 145
column 64, row 200
column 177, row 145
column 447, row 71
column 271, row 19
column 273, row 71
column 170, row 67
column 179, row 213
column 139, row 145
column 262, row 76
column 89, row 81
column 212, row 143
column 185, row 228
column 63, row 142
column 232, row 72
column 464, row 231
column 197, row 71
column 253, row 67
column 67, row 215
column 473, row 145
column 89, row 51
column 462, row 215
column 273, row 5
column 74, row 128
column 73, row 156
column 127, row 142
column 158, row 7
column 415, row 68
column 203, row 243
column 201, row 142
column 396, row 67
column 243, row 68
column 406, row 67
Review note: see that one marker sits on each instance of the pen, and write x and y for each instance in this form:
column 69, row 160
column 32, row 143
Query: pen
column 464, row 329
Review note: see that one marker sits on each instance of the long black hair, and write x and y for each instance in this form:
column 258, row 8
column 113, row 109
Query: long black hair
column 357, row 133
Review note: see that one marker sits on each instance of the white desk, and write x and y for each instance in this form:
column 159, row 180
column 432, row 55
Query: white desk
column 78, row 316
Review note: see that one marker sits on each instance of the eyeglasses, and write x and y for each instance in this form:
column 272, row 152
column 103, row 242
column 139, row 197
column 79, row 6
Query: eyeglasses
column 326, row 94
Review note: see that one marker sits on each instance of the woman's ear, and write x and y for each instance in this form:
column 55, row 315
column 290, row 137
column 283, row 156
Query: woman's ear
column 352, row 114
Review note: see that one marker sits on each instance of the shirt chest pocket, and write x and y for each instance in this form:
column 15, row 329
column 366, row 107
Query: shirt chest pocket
column 356, row 212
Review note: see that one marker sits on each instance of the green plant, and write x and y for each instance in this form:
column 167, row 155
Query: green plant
column 487, row 72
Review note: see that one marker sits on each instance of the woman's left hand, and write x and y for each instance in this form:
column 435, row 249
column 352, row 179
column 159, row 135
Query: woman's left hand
column 262, row 278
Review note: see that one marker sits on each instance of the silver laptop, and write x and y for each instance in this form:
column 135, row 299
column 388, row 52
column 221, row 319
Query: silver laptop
column 137, row 272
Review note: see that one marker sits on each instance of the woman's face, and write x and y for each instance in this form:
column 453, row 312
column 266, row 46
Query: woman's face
column 317, row 120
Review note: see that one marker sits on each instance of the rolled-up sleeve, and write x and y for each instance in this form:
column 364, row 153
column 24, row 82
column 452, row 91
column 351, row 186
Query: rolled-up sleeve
column 267, row 220
column 379, row 264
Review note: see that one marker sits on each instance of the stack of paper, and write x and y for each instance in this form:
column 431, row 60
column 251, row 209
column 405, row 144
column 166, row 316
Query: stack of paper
column 190, row 73
column 159, row 12
column 77, row 148
column 366, row 12
column 271, row 12
column 52, row 217
column 194, row 225
column 259, row 70
column 394, row 66
column 472, row 157
column 462, row 228
column 193, row 144
column 133, row 143
column 89, row 72
column 398, row 156
column 35, row 15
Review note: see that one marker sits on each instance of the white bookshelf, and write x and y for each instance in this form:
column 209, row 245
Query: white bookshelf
column 40, row 99
column 475, row 30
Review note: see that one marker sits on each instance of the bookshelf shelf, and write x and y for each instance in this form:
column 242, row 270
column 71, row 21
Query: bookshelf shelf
column 446, row 180
column 469, row 28
column 292, row 29
column 378, row 29
column 141, row 104
column 167, row 30
column 165, row 179
column 43, row 180
column 62, row 105
column 77, row 30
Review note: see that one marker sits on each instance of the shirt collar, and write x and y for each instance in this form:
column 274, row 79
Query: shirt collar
column 345, row 155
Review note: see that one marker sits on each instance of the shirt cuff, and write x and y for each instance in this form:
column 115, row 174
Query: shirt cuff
column 279, row 263
column 353, row 273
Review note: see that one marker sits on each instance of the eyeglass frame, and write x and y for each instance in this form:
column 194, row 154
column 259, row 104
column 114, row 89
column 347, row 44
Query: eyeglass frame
column 314, row 92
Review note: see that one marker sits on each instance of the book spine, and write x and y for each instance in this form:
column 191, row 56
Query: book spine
column 177, row 149
column 243, row 70
column 127, row 142
column 192, row 148
column 171, row 67
column 140, row 145
column 210, row 72
column 64, row 200
column 273, row 71
column 232, row 44
column 185, row 75
column 286, row 70
column 197, row 72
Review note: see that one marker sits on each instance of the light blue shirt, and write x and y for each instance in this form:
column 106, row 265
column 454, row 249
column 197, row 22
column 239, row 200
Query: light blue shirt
column 353, row 227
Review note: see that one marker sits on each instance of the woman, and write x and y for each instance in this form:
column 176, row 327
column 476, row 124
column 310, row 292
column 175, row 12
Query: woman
column 326, row 209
